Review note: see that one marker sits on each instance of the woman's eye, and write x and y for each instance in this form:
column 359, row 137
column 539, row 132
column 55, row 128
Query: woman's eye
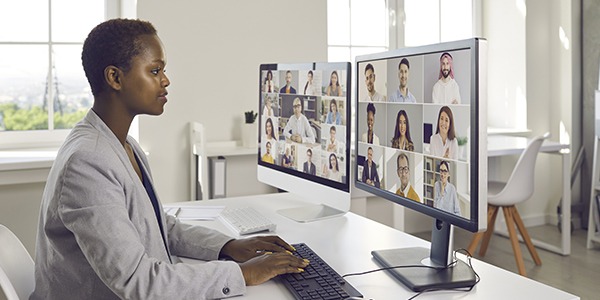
column 155, row 71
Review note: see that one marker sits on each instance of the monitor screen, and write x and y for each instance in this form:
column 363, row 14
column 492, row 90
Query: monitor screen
column 304, row 128
column 421, row 130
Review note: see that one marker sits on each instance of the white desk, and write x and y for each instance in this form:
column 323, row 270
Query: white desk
column 346, row 242
column 500, row 145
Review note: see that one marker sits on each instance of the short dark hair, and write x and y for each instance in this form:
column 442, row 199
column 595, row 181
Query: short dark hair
column 308, row 150
column 371, row 108
column 369, row 67
column 404, row 61
column 114, row 42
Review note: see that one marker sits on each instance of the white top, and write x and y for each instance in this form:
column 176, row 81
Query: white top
column 375, row 139
column 446, row 92
column 334, row 175
column 266, row 112
column 332, row 146
column 438, row 148
column 299, row 126
column 310, row 90
column 270, row 84
column 377, row 97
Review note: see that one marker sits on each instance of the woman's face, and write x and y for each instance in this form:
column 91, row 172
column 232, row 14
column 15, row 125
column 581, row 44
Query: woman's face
column 370, row 120
column 402, row 125
column 270, row 76
column 310, row 77
column 333, row 107
column 333, row 162
column 444, row 173
column 334, row 79
column 268, row 104
column 444, row 123
column 269, row 129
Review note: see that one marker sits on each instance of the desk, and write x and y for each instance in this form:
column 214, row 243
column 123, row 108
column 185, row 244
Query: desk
column 346, row 242
column 500, row 145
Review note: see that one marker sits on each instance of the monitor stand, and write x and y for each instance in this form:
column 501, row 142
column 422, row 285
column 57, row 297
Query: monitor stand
column 421, row 279
column 310, row 213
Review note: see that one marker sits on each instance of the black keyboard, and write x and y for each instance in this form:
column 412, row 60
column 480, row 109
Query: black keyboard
column 318, row 281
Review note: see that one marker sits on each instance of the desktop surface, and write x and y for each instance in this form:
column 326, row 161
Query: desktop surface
column 346, row 242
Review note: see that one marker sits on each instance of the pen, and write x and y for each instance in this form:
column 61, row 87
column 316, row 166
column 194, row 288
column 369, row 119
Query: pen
column 178, row 211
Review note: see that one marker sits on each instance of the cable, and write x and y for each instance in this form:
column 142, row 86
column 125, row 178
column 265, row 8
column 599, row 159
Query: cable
column 453, row 263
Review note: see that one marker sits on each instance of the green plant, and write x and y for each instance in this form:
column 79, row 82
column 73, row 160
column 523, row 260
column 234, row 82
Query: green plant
column 462, row 140
column 250, row 116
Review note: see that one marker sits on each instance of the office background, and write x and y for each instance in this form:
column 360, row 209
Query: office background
column 214, row 49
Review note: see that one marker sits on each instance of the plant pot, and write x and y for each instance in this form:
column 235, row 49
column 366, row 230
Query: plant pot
column 250, row 135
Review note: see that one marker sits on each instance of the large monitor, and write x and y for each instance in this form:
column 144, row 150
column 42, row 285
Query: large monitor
column 421, row 142
column 304, row 135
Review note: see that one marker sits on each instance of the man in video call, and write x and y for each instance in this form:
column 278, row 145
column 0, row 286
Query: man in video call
column 288, row 89
column 372, row 94
column 298, row 128
column 309, row 167
column 369, row 173
column 445, row 90
column 406, row 189
column 402, row 94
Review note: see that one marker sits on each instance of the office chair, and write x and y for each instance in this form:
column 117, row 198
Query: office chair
column 16, row 267
column 517, row 189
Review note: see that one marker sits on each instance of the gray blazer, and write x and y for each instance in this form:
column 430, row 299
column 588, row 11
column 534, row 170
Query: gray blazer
column 98, row 237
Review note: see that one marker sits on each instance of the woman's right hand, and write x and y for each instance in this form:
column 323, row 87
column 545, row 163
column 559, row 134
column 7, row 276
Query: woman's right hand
column 262, row 268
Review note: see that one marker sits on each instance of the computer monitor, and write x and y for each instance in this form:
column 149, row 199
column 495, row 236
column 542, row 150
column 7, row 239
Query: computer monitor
column 421, row 142
column 304, row 135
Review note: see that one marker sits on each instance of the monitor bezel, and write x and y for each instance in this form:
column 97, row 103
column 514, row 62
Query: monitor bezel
column 477, row 134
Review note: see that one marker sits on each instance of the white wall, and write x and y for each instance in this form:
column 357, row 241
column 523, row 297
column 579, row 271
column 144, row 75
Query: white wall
column 214, row 49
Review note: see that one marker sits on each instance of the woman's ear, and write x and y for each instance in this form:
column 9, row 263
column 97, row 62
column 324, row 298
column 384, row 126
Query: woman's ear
column 112, row 76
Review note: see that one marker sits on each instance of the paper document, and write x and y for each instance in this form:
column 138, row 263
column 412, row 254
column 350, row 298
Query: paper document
column 195, row 212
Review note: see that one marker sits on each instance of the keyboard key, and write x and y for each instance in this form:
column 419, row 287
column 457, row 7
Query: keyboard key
column 247, row 220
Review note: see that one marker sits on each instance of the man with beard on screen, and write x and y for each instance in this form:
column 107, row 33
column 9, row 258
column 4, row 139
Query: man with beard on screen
column 445, row 90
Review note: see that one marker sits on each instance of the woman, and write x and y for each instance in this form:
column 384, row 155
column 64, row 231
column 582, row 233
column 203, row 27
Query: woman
column 444, row 143
column 286, row 161
column 270, row 130
column 401, row 139
column 333, row 172
column 267, row 157
column 333, row 116
column 268, row 110
column 334, row 88
column 309, row 89
column 332, row 144
column 269, row 84
column 445, row 197
column 102, row 230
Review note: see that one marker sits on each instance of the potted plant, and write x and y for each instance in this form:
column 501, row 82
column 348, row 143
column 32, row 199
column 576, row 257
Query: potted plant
column 250, row 129
column 462, row 147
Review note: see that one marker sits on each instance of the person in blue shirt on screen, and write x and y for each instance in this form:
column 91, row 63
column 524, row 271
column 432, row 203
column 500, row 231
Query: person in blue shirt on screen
column 333, row 116
column 445, row 192
column 369, row 173
column 402, row 94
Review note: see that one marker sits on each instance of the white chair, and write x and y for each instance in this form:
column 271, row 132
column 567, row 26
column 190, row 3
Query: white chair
column 517, row 189
column 16, row 267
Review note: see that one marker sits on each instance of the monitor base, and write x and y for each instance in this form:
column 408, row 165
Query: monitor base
column 310, row 213
column 423, row 279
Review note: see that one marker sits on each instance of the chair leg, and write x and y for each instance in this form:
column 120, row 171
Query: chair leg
column 525, row 236
column 514, row 240
column 493, row 211
column 479, row 235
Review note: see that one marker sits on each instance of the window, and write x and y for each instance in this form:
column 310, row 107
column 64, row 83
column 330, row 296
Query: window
column 43, row 88
column 356, row 27
column 434, row 21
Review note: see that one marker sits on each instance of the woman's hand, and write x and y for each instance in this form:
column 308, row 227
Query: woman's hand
column 242, row 250
column 268, row 265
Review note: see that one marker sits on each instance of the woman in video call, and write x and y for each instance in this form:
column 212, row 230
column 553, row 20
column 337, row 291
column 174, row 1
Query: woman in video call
column 268, row 109
column 332, row 144
column 270, row 130
column 402, row 139
column 269, row 85
column 286, row 160
column 445, row 192
column 333, row 116
column 370, row 136
column 309, row 88
column 102, row 232
column 444, row 143
column 334, row 88
column 333, row 170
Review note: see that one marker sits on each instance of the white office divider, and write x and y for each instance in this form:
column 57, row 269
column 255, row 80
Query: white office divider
column 198, row 162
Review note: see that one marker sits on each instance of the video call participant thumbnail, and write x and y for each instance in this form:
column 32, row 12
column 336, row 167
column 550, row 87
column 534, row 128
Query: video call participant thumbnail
column 402, row 94
column 369, row 173
column 445, row 90
column 403, row 169
column 298, row 128
column 446, row 197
